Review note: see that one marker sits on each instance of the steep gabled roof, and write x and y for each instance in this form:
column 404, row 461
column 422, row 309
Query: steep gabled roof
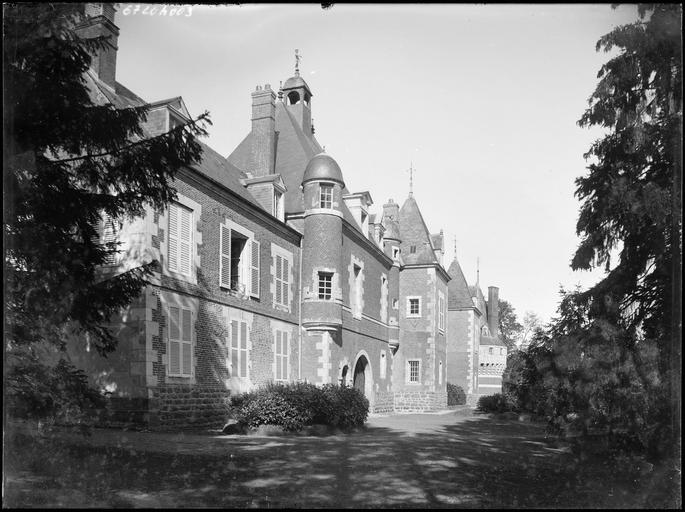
column 415, row 234
column 459, row 296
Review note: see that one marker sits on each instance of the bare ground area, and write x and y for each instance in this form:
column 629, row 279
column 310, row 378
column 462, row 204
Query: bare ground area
column 454, row 460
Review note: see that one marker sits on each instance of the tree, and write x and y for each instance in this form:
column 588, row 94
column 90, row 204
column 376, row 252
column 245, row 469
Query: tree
column 67, row 160
column 629, row 220
column 509, row 327
column 531, row 323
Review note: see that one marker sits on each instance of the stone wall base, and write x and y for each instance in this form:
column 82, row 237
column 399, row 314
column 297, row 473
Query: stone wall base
column 420, row 401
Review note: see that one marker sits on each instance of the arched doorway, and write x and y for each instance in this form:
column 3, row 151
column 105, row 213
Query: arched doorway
column 360, row 370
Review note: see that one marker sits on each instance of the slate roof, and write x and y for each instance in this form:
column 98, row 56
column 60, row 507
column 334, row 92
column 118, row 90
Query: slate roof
column 413, row 232
column 294, row 150
column 458, row 294
column 212, row 164
column 490, row 340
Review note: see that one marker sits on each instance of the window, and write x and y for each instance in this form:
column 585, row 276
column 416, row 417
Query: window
column 108, row 232
column 395, row 253
column 414, row 368
column 441, row 312
column 412, row 249
column 490, row 351
column 326, row 196
column 238, row 348
column 413, row 306
column 501, row 351
column 180, row 342
column 179, row 254
column 440, row 373
column 384, row 299
column 282, row 279
column 282, row 353
column 278, row 205
column 239, row 262
column 325, row 285
column 384, row 364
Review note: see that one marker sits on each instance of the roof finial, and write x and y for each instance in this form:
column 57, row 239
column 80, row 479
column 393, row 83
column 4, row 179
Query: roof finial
column 323, row 149
column 297, row 62
column 455, row 247
column 477, row 271
column 411, row 178
column 280, row 91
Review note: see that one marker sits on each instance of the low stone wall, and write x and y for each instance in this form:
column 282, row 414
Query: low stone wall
column 184, row 406
column 385, row 402
column 420, row 401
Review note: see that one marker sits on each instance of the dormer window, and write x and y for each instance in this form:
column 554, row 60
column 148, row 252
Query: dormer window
column 326, row 196
column 278, row 205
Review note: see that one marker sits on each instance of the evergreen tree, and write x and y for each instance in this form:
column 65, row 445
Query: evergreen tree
column 67, row 161
column 630, row 218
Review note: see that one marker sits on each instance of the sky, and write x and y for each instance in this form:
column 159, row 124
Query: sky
column 482, row 100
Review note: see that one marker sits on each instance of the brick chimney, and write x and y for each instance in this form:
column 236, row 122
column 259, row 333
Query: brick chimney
column 100, row 22
column 263, row 131
column 493, row 310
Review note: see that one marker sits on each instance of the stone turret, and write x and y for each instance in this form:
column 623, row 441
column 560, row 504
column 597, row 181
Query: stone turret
column 391, row 247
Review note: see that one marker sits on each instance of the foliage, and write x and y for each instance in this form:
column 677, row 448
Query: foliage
column 455, row 395
column 531, row 324
column 67, row 159
column 494, row 403
column 509, row 327
column 294, row 406
column 523, row 378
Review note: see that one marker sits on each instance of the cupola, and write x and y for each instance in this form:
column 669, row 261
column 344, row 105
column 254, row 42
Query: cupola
column 297, row 97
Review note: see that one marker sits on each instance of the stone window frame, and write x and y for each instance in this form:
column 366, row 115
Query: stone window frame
column 383, row 365
column 279, row 357
column 395, row 253
column 384, row 299
column 409, row 372
column 246, row 259
column 196, row 239
column 168, row 300
column 409, row 313
column 276, row 251
column 356, row 287
column 326, row 198
column 325, row 286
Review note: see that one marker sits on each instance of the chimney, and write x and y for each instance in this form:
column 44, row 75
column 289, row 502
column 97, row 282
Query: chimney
column 100, row 22
column 493, row 310
column 263, row 131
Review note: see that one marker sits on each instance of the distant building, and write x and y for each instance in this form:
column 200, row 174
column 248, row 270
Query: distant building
column 476, row 355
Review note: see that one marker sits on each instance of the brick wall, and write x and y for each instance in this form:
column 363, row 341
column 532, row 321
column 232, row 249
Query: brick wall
column 420, row 401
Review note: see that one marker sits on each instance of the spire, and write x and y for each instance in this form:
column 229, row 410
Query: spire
column 455, row 247
column 297, row 62
column 411, row 171
column 477, row 271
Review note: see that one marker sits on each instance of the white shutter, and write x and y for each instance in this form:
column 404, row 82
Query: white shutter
column 243, row 349
column 174, row 341
column 172, row 253
column 235, row 350
column 278, row 356
column 254, row 269
column 186, row 344
column 285, row 350
column 184, row 242
column 225, row 257
column 284, row 274
column 279, row 295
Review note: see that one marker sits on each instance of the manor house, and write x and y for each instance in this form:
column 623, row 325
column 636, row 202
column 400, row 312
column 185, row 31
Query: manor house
column 274, row 269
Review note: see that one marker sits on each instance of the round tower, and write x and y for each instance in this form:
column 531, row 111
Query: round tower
column 391, row 247
column 322, row 266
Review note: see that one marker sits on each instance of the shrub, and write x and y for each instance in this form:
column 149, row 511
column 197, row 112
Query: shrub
column 455, row 395
column 494, row 403
column 294, row 406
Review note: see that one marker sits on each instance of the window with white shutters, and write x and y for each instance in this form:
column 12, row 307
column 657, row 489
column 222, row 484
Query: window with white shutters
column 180, row 342
column 239, row 352
column 282, row 280
column 180, row 239
column 282, row 353
column 239, row 261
